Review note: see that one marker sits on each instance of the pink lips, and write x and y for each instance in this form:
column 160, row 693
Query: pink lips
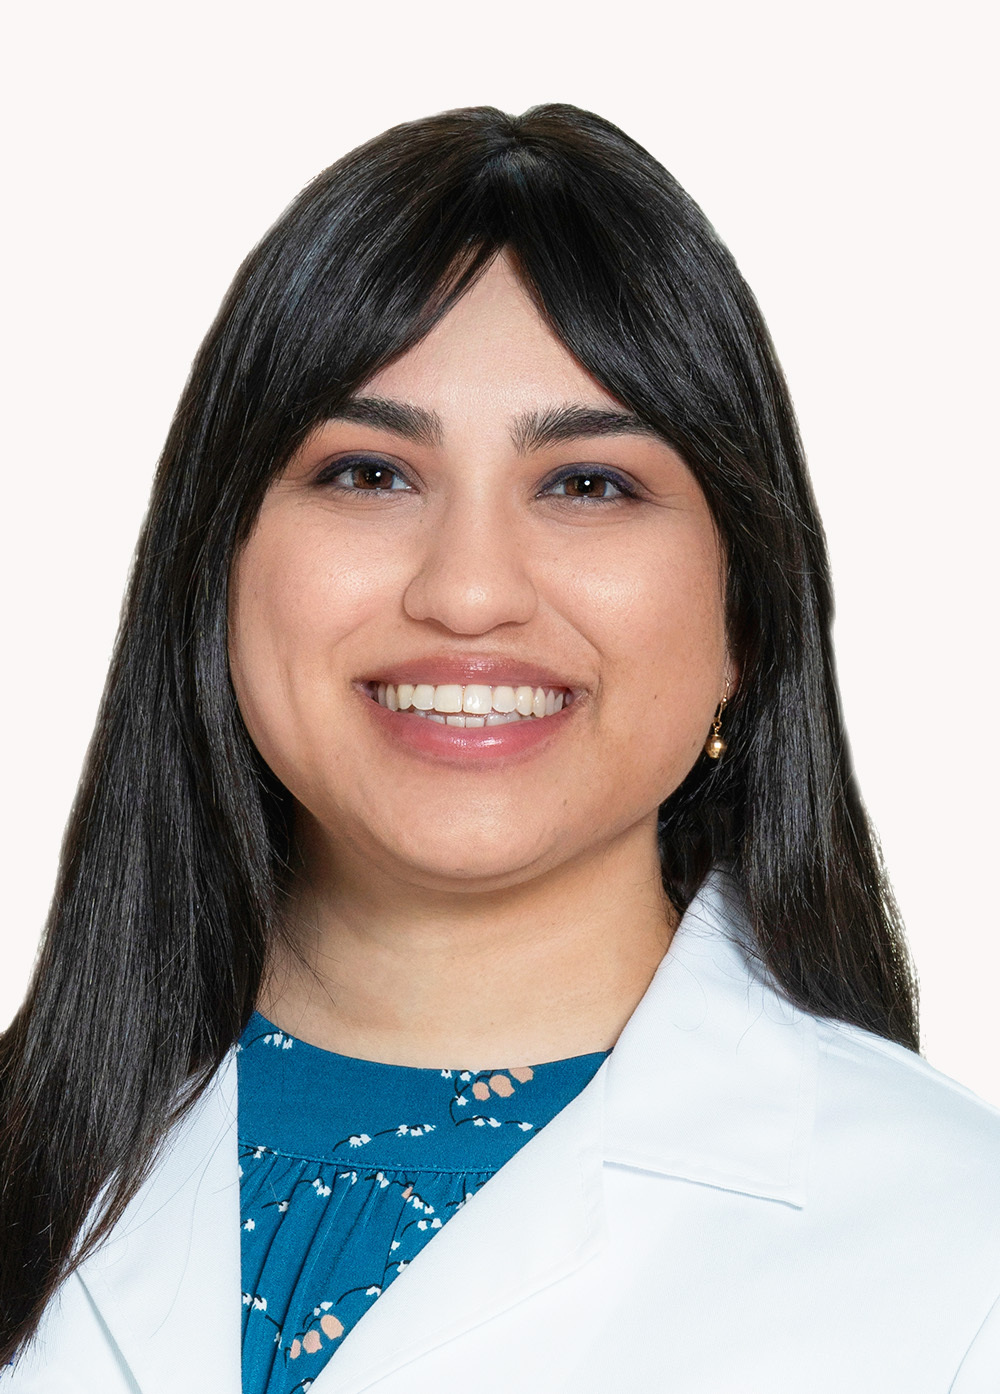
column 464, row 743
column 458, row 744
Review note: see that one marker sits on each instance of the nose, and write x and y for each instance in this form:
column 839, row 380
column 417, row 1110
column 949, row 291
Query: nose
column 473, row 572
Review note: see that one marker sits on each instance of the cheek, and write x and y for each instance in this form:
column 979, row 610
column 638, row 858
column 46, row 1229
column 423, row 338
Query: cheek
column 294, row 600
column 658, row 621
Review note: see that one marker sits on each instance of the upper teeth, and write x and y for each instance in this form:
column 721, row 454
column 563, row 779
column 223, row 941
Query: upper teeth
column 475, row 699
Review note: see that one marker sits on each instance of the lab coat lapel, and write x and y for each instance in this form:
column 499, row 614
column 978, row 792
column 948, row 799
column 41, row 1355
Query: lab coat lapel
column 540, row 1217
column 167, row 1281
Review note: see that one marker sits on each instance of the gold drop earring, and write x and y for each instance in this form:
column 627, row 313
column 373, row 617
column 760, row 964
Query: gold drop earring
column 715, row 745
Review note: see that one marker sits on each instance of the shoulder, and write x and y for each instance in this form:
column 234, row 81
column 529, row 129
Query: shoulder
column 902, row 1185
column 883, row 1111
column 880, row 1072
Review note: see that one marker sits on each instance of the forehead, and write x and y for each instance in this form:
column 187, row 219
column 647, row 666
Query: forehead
column 492, row 352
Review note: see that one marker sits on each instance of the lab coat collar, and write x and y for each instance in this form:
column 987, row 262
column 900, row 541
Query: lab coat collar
column 712, row 1080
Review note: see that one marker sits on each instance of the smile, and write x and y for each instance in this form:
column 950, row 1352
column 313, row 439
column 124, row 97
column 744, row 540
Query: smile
column 473, row 705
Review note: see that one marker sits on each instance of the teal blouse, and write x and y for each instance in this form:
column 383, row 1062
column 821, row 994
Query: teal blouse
column 347, row 1169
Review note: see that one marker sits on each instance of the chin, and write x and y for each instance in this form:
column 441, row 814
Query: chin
column 493, row 861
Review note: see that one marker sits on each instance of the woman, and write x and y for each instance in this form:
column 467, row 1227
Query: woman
column 471, row 767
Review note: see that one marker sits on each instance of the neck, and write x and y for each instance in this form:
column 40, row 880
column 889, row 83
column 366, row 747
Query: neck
column 379, row 968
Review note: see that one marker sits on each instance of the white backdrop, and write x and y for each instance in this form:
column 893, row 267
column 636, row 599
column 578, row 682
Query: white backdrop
column 843, row 152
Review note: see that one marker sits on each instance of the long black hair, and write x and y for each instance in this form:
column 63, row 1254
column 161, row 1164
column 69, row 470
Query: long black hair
column 179, row 839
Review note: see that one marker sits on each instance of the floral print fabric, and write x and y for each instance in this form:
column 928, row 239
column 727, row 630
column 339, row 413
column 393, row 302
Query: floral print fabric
column 347, row 1169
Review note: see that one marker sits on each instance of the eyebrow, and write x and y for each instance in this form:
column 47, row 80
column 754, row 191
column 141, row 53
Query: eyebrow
column 536, row 429
column 414, row 423
column 530, row 431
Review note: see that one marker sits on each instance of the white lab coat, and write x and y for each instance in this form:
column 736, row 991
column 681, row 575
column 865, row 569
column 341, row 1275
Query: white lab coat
column 745, row 1199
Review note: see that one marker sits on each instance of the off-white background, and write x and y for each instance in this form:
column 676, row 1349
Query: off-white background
column 844, row 152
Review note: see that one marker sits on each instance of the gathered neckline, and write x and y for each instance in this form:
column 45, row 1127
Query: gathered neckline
column 300, row 1100
column 261, row 1027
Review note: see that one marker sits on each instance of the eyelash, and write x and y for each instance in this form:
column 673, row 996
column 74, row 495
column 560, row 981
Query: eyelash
column 348, row 466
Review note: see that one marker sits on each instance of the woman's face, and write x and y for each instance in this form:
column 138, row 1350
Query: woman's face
column 484, row 522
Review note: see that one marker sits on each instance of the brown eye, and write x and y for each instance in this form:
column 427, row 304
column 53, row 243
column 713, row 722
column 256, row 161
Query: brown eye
column 587, row 484
column 364, row 476
column 370, row 477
